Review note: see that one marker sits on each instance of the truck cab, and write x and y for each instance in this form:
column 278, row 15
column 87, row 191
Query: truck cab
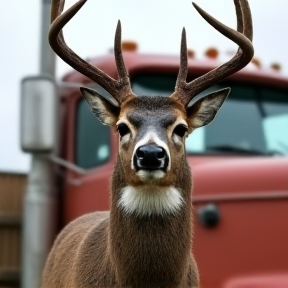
column 239, row 163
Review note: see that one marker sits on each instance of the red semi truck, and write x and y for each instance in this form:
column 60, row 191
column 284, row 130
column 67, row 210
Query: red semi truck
column 239, row 165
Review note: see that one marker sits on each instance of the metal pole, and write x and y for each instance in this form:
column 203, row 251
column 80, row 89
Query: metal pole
column 47, row 63
column 40, row 201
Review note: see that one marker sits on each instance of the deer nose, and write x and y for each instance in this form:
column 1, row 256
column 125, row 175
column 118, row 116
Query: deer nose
column 150, row 157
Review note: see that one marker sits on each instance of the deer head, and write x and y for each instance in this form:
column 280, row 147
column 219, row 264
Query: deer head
column 152, row 130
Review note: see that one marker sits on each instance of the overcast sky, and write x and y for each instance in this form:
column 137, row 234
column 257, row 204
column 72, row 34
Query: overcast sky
column 155, row 24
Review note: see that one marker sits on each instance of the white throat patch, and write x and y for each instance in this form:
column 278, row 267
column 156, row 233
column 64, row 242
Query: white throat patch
column 144, row 201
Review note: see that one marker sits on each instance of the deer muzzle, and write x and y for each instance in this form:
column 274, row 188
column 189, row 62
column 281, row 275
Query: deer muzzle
column 150, row 157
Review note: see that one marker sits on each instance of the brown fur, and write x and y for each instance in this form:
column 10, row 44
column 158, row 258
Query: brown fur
column 93, row 251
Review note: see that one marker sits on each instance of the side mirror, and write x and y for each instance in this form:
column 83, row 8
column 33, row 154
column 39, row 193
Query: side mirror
column 38, row 114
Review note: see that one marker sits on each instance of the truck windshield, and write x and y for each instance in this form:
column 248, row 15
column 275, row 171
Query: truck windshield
column 252, row 121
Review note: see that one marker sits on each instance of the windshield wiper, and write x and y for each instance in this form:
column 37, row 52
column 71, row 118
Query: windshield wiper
column 238, row 150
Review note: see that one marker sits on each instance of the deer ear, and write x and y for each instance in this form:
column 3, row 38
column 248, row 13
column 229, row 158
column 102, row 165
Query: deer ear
column 203, row 111
column 106, row 110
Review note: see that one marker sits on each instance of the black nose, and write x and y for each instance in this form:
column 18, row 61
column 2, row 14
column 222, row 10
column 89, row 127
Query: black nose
column 150, row 157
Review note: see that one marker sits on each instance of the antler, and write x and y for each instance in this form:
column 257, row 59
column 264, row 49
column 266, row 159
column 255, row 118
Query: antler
column 185, row 92
column 119, row 89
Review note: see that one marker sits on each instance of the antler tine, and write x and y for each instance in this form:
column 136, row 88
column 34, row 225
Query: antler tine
column 247, row 19
column 56, row 9
column 118, row 54
column 181, row 79
column 240, row 24
column 120, row 89
column 187, row 91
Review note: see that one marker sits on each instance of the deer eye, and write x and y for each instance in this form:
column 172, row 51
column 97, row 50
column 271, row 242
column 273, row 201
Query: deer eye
column 123, row 129
column 180, row 130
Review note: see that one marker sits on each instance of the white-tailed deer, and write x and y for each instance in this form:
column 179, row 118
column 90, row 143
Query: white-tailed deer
column 146, row 239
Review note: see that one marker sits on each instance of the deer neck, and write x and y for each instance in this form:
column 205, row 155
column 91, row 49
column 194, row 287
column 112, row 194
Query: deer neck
column 152, row 243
